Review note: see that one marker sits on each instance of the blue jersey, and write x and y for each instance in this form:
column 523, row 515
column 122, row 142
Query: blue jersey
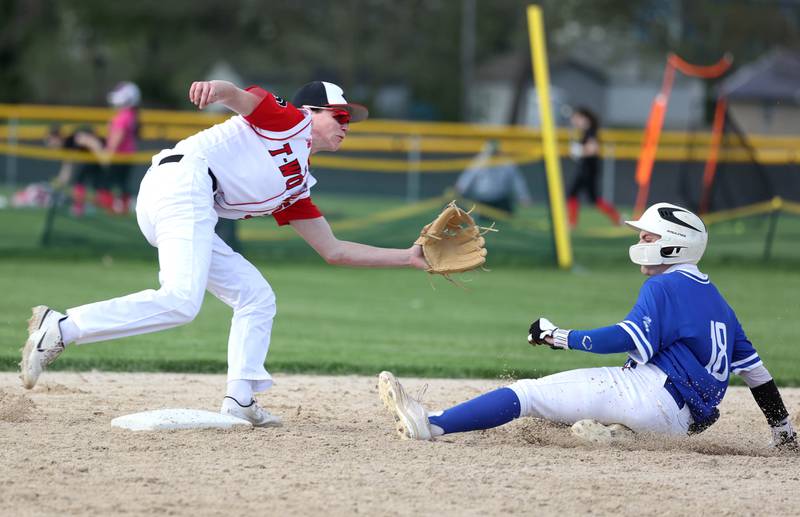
column 683, row 325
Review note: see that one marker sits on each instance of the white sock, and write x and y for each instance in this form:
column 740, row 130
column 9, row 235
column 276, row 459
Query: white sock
column 435, row 429
column 241, row 390
column 69, row 331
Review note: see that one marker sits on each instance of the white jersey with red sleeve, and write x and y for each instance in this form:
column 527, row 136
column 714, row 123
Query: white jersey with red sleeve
column 260, row 162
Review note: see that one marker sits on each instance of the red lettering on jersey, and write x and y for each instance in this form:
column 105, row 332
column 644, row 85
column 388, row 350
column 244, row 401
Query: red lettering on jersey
column 293, row 182
column 293, row 173
column 286, row 149
column 291, row 168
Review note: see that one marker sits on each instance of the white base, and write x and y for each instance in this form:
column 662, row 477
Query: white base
column 165, row 419
column 594, row 431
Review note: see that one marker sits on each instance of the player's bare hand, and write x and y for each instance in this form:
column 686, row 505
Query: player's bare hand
column 417, row 259
column 203, row 93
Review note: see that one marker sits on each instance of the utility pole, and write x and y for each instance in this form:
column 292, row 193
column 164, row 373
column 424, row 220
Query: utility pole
column 468, row 20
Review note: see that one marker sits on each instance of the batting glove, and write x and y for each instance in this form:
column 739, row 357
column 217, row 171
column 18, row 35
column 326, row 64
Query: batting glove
column 784, row 437
column 543, row 328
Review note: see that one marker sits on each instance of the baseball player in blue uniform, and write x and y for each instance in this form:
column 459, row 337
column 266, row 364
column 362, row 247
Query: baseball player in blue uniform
column 683, row 341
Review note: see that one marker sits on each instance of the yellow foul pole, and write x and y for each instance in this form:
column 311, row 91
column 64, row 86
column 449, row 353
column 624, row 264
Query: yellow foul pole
column 552, row 165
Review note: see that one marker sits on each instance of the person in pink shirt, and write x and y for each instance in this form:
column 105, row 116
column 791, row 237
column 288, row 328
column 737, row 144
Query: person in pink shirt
column 123, row 131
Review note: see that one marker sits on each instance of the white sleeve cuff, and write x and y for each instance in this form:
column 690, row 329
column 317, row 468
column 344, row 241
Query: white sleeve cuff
column 561, row 338
column 756, row 376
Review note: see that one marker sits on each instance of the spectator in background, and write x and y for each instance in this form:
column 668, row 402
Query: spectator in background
column 123, row 132
column 89, row 173
column 586, row 152
column 493, row 179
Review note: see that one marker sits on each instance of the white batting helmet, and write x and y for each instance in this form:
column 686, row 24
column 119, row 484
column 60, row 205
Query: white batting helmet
column 124, row 95
column 683, row 236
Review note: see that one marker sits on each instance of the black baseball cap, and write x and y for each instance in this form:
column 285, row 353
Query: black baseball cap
column 321, row 94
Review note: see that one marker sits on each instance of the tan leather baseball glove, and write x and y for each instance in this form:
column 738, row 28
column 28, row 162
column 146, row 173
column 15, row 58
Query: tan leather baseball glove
column 453, row 243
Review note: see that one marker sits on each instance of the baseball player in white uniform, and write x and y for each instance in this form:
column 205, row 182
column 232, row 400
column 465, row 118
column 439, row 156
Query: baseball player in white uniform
column 683, row 341
column 254, row 164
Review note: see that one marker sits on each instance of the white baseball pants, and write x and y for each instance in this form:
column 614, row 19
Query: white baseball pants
column 634, row 397
column 175, row 211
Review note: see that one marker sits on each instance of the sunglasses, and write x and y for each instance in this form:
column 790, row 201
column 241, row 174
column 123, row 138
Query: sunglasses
column 339, row 115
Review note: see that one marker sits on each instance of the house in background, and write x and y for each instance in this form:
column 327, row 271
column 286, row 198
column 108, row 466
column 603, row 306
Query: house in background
column 764, row 96
column 621, row 95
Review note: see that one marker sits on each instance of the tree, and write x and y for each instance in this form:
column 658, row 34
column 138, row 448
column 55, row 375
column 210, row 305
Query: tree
column 73, row 51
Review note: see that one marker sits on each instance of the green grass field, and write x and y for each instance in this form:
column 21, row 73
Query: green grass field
column 339, row 320
column 523, row 240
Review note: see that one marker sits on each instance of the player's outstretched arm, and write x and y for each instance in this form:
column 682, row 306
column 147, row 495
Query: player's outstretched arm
column 766, row 394
column 604, row 340
column 203, row 93
column 318, row 234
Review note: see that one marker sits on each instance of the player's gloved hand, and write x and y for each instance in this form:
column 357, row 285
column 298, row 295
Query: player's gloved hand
column 699, row 427
column 542, row 329
column 784, row 436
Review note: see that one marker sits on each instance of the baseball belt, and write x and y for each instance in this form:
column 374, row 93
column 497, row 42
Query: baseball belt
column 175, row 158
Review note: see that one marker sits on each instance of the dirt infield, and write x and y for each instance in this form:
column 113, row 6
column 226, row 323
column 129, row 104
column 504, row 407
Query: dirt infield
column 337, row 455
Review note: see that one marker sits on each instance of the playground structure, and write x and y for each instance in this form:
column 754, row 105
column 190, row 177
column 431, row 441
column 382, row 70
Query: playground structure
column 655, row 122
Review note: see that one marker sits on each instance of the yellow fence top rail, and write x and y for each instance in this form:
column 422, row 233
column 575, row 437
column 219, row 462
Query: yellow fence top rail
column 29, row 124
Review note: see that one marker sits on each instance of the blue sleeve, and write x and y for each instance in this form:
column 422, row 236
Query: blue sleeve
column 605, row 340
column 645, row 321
column 744, row 355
